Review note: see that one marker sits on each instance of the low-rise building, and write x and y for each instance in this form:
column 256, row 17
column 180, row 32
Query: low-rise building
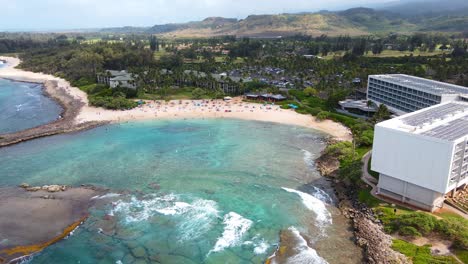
column 117, row 79
column 266, row 97
column 358, row 107
column 423, row 156
column 405, row 94
column 228, row 84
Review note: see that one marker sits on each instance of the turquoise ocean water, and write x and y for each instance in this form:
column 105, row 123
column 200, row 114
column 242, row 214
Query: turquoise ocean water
column 188, row 191
column 23, row 105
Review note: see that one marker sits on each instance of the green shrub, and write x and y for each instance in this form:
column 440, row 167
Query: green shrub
column 365, row 138
column 302, row 111
column 345, row 120
column 455, row 228
column 300, row 95
column 315, row 102
column 83, row 82
column 116, row 103
column 198, row 93
column 309, row 91
column 315, row 111
column 342, row 150
column 323, row 115
column 409, row 231
column 423, row 222
column 351, row 171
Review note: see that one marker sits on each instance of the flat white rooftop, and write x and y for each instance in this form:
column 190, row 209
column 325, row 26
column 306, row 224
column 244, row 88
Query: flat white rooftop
column 447, row 121
column 425, row 85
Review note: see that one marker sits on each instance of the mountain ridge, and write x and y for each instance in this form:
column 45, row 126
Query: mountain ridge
column 353, row 22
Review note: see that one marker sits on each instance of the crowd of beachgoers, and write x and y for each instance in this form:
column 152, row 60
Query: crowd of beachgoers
column 178, row 109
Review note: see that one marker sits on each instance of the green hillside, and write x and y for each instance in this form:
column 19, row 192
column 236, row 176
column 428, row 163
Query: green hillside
column 356, row 21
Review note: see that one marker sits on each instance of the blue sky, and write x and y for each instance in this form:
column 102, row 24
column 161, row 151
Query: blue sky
column 72, row 14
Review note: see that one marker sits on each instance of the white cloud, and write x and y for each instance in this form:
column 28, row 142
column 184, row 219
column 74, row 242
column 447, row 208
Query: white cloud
column 54, row 14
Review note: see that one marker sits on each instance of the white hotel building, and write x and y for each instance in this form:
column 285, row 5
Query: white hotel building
column 405, row 94
column 423, row 156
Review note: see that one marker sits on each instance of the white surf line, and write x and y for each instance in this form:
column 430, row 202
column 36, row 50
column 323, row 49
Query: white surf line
column 323, row 216
column 235, row 226
column 306, row 255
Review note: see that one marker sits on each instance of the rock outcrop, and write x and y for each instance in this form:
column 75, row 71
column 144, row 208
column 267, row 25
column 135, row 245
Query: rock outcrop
column 368, row 229
column 32, row 218
column 48, row 188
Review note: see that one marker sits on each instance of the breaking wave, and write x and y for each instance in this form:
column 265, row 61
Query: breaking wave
column 194, row 219
column 323, row 216
column 306, row 254
column 235, row 226
column 260, row 246
column 322, row 195
column 197, row 220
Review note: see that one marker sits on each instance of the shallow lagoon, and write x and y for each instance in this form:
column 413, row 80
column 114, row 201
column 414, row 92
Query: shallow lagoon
column 23, row 105
column 196, row 191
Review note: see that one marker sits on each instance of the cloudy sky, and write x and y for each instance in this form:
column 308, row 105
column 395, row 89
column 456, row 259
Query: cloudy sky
column 72, row 14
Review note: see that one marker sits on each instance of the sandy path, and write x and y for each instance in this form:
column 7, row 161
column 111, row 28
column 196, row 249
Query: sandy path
column 187, row 109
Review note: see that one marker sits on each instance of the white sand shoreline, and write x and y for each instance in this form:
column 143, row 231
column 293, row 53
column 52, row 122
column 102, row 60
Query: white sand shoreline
column 185, row 109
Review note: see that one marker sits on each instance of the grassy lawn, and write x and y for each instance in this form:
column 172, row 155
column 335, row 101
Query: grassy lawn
column 420, row 255
column 220, row 58
column 91, row 41
column 462, row 255
column 397, row 53
column 361, row 151
column 366, row 197
column 160, row 53
column 389, row 53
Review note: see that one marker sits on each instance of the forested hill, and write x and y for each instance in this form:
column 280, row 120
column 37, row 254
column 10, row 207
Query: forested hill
column 356, row 21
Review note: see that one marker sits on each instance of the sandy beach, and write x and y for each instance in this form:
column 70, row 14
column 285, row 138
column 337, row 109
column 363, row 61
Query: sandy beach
column 178, row 109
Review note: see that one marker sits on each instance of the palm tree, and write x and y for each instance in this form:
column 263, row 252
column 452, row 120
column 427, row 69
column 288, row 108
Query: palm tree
column 369, row 104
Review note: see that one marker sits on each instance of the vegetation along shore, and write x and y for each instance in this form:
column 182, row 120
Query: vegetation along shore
column 231, row 140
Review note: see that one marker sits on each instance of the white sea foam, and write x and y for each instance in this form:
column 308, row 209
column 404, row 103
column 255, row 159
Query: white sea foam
column 322, row 195
column 323, row 216
column 106, row 196
column 306, row 254
column 198, row 219
column 193, row 220
column 235, row 226
column 309, row 159
column 177, row 208
column 260, row 246
column 137, row 210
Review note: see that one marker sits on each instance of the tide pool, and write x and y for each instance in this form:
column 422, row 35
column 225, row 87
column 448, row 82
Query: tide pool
column 23, row 106
column 193, row 191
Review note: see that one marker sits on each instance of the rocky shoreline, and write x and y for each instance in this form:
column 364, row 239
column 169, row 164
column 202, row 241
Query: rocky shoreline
column 368, row 229
column 65, row 124
column 57, row 209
